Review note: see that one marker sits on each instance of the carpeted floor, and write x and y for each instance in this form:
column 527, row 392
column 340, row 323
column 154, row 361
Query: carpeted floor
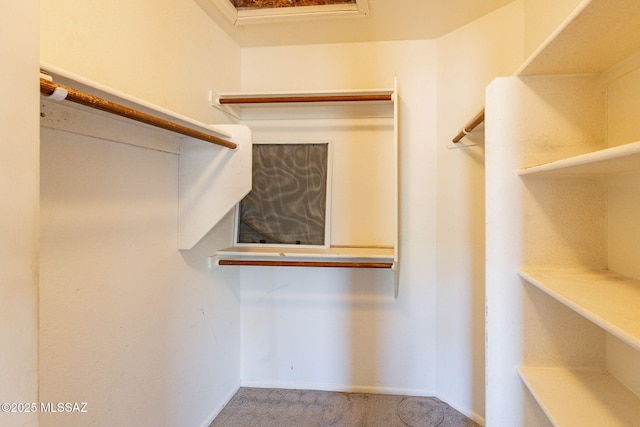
column 255, row 407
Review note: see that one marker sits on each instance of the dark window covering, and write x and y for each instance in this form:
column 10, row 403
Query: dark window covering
column 270, row 4
column 287, row 204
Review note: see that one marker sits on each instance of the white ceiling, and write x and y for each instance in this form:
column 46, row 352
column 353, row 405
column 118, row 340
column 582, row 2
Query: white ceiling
column 387, row 20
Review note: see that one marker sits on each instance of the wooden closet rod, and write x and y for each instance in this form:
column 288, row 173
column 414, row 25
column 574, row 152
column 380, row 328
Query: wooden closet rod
column 48, row 88
column 305, row 264
column 469, row 127
column 303, row 98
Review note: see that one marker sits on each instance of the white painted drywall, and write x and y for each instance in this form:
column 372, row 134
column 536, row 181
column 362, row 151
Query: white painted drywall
column 19, row 214
column 144, row 333
column 343, row 329
column 623, row 107
column 468, row 59
column 165, row 52
column 623, row 201
column 355, row 336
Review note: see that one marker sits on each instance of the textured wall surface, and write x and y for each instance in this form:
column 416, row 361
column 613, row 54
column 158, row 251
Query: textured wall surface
column 19, row 215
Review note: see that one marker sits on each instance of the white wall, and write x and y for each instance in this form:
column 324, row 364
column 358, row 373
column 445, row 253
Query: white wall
column 144, row 333
column 19, row 214
column 344, row 330
column 542, row 17
column 468, row 59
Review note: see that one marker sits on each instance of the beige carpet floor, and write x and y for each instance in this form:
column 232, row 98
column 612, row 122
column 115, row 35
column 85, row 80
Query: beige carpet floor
column 255, row 407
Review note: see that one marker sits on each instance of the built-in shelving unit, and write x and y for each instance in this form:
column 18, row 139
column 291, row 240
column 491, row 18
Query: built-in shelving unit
column 304, row 108
column 610, row 301
column 562, row 167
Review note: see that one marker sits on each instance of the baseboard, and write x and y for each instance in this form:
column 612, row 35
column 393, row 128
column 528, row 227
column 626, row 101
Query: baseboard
column 462, row 409
column 344, row 388
column 212, row 416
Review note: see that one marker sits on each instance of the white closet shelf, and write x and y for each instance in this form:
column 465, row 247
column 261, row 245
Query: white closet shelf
column 581, row 397
column 608, row 299
column 614, row 160
column 586, row 42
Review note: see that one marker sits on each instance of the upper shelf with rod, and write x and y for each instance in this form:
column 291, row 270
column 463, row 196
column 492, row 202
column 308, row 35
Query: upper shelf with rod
column 311, row 104
column 59, row 92
column 114, row 102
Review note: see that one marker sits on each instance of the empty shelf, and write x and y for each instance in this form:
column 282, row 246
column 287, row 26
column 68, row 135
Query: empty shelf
column 578, row 397
column 610, row 300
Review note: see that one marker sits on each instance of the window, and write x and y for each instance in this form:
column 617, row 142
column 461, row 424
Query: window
column 290, row 198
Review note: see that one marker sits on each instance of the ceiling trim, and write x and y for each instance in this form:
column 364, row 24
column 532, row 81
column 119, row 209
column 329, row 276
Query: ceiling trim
column 282, row 14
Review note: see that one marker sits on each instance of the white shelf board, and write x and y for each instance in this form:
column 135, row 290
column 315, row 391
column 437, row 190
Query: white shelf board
column 580, row 397
column 619, row 159
column 594, row 38
column 337, row 253
column 608, row 299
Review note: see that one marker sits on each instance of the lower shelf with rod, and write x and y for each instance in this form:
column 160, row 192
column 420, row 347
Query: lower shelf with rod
column 332, row 257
